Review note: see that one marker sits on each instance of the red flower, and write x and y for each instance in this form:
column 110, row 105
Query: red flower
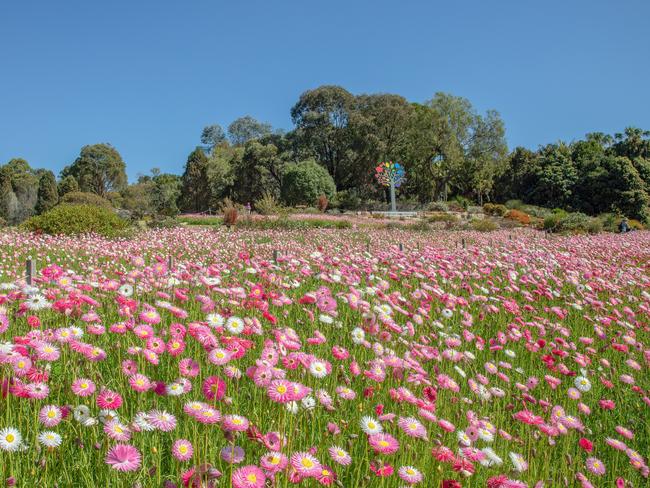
column 33, row 321
column 607, row 404
column 586, row 444
column 382, row 471
column 450, row 484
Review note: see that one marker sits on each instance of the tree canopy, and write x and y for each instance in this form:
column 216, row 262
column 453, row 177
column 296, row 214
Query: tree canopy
column 447, row 148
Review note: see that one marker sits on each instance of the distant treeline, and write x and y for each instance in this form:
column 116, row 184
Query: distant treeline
column 447, row 148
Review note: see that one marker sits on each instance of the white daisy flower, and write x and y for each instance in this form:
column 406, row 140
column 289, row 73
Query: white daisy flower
column 358, row 335
column 318, row 369
column 370, row 426
column 49, row 439
column 10, row 439
column 234, row 325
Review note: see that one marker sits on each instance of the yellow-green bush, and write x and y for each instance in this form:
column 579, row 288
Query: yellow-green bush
column 70, row 219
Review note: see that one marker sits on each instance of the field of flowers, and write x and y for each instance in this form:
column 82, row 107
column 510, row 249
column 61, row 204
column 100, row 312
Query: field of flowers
column 383, row 359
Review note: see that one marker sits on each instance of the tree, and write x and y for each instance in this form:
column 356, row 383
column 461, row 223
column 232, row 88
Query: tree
column 136, row 198
column 165, row 193
column 98, row 169
column 486, row 155
column 8, row 200
column 245, row 129
column 518, row 175
column 221, row 173
column 20, row 203
column 48, row 195
column 304, row 182
column 68, row 185
column 632, row 143
column 259, row 169
column 322, row 116
column 555, row 177
column 195, row 190
column 212, row 136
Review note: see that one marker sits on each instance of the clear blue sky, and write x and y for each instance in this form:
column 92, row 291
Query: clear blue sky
column 147, row 76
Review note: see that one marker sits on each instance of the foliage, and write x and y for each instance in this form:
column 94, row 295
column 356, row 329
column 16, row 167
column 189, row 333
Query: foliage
column 163, row 222
column 304, row 182
column 495, row 209
column 48, row 195
column 19, row 191
column 230, row 212
column 348, row 200
column 200, row 220
column 518, row 216
column 483, row 225
column 165, row 193
column 84, row 198
column 419, row 226
column 635, row 224
column 68, row 185
column 574, row 222
column 246, row 129
column 98, row 169
column 195, row 191
column 286, row 223
column 267, row 204
column 75, row 219
column 212, row 136
column 322, row 202
column 448, row 149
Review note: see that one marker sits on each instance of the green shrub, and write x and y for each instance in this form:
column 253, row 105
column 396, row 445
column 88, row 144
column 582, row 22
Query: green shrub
column 70, row 219
column 483, row 225
column 459, row 203
column 438, row 207
column 495, row 209
column 285, row 223
column 635, row 224
column 267, row 204
column 85, row 198
column 347, row 200
column 442, row 217
column 304, row 182
column 574, row 222
column 610, row 221
column 419, row 226
column 552, row 222
column 200, row 220
column 594, row 226
column 514, row 204
column 163, row 223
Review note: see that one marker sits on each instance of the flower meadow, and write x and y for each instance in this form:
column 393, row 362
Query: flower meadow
column 388, row 358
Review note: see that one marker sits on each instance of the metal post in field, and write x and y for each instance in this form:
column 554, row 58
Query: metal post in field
column 170, row 263
column 276, row 256
column 464, row 243
column 30, row 271
column 401, row 247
